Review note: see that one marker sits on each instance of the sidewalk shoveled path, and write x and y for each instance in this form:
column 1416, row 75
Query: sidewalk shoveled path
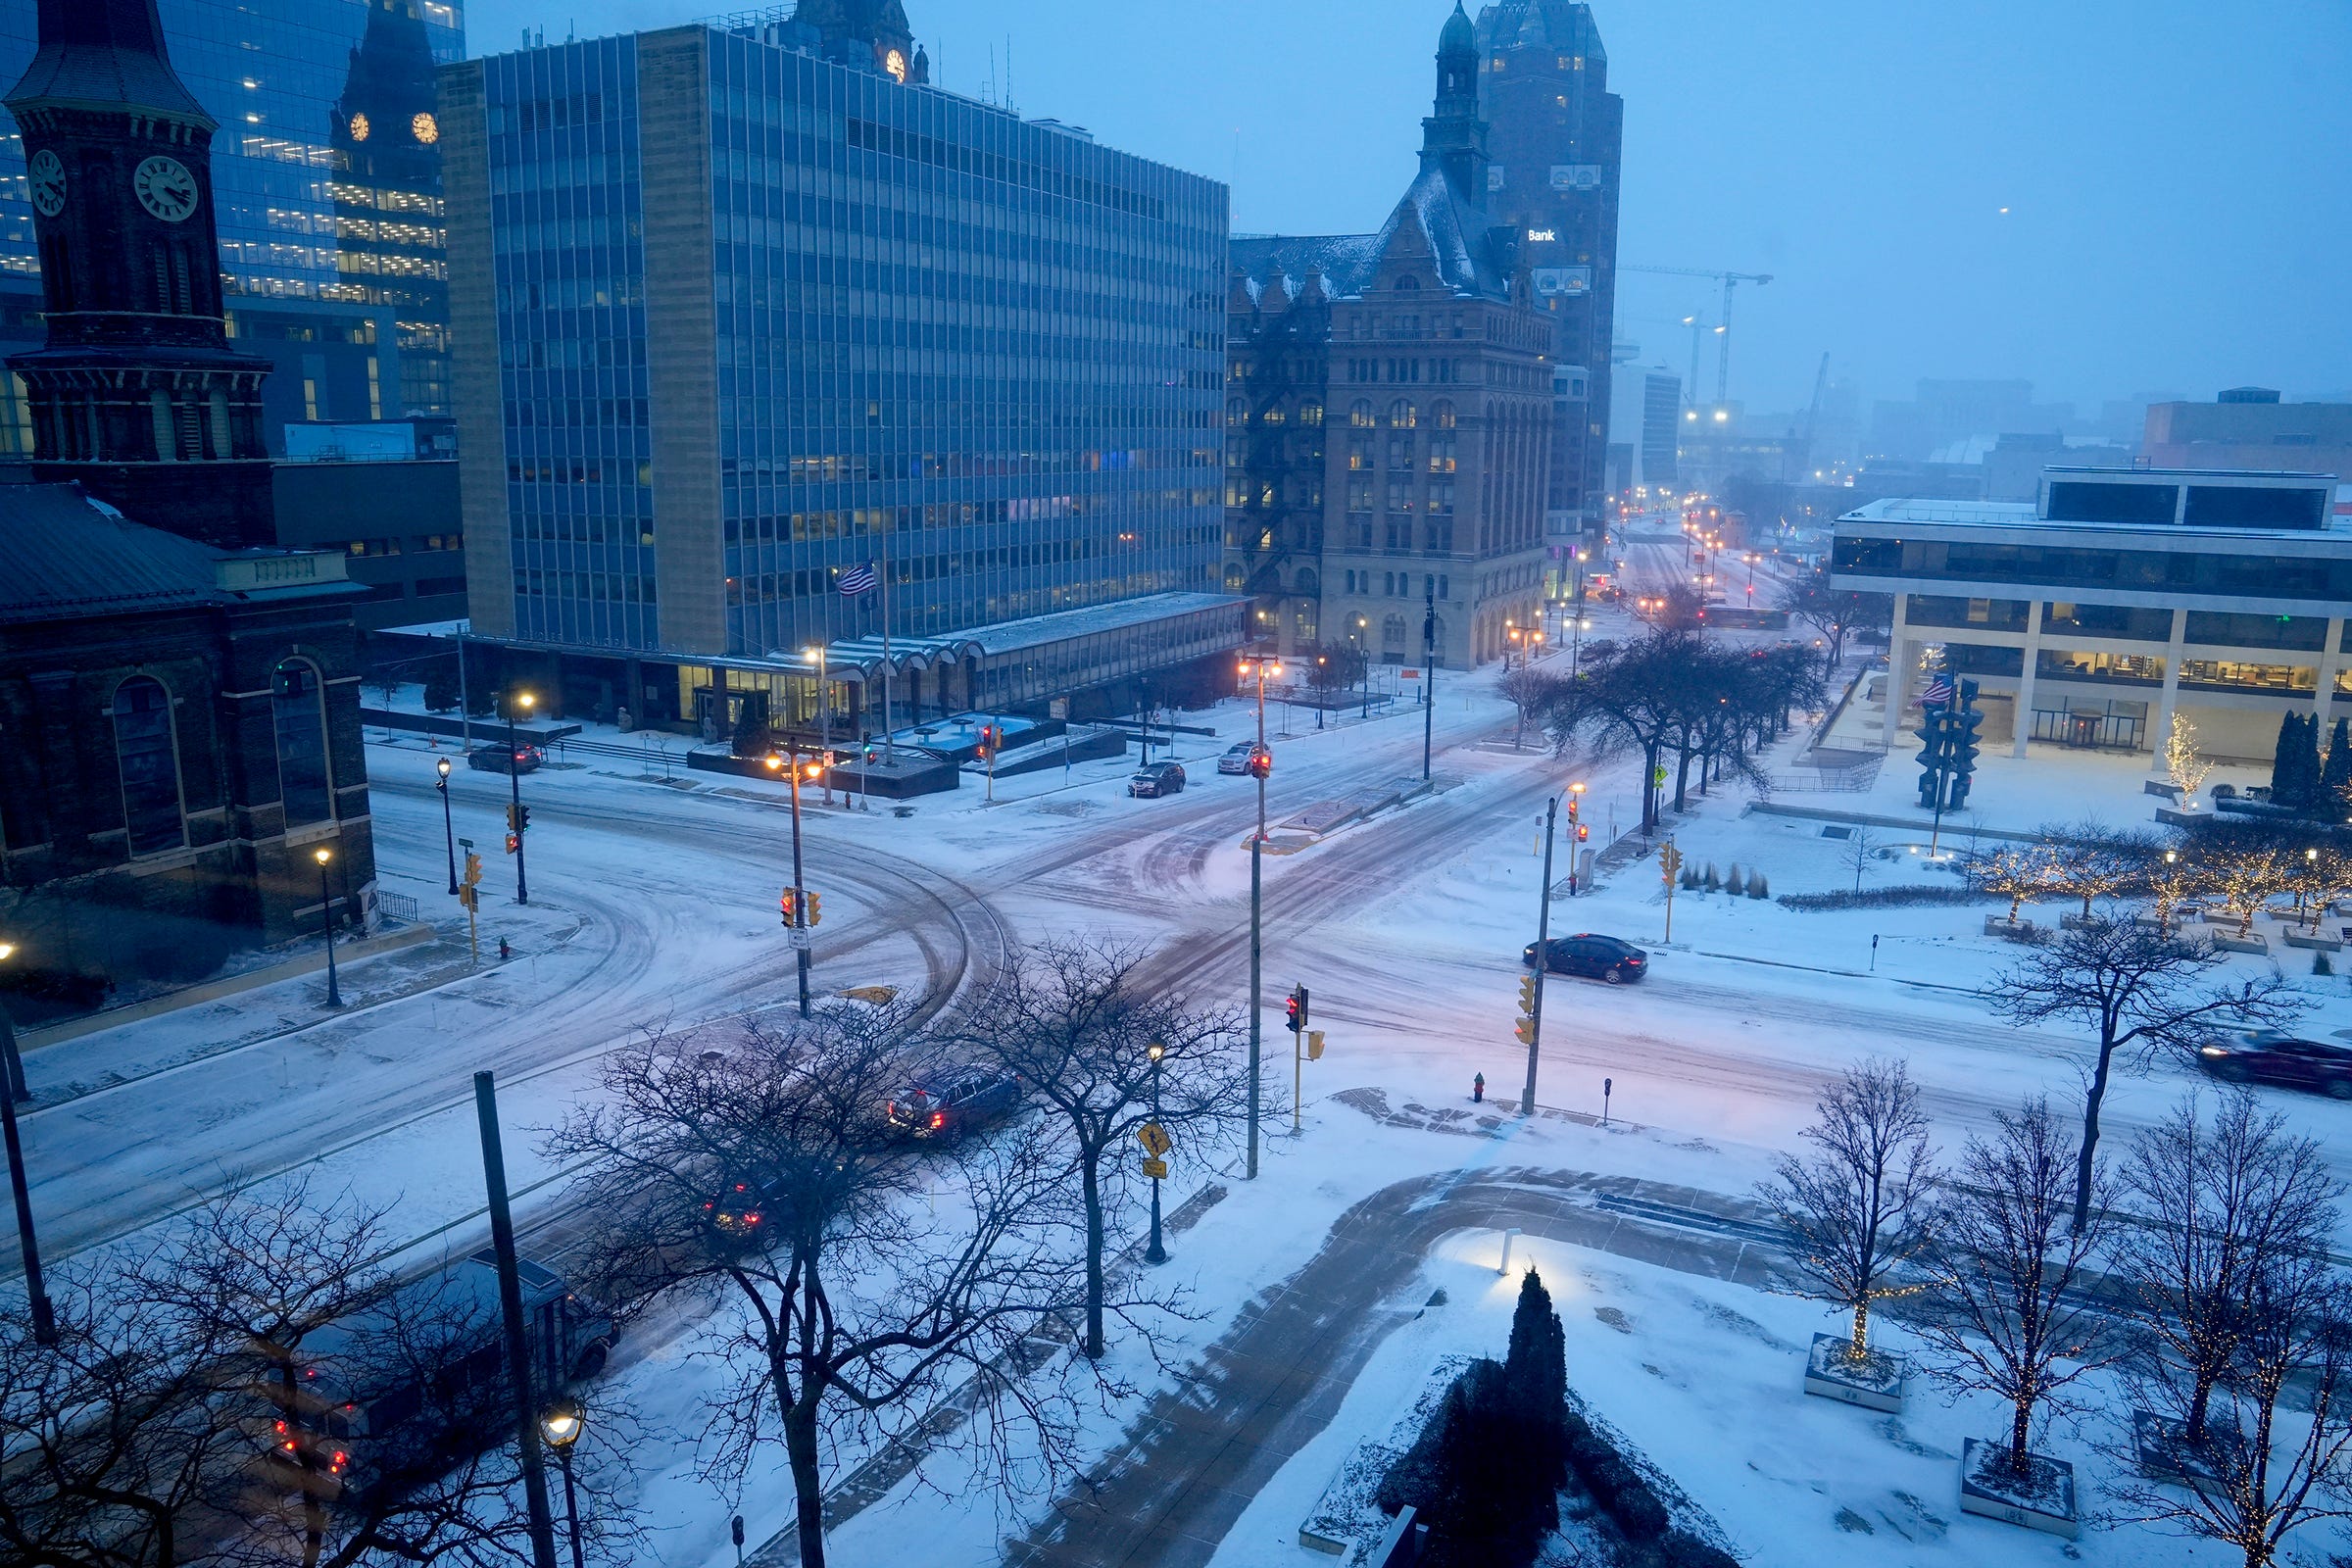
column 1190, row 1465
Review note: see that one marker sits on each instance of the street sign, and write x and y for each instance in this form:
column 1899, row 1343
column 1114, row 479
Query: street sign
column 800, row 939
column 1156, row 1170
column 1058, row 707
column 872, row 996
column 1155, row 1138
column 1408, row 674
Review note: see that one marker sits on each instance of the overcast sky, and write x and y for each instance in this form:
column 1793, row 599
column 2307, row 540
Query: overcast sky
column 2176, row 173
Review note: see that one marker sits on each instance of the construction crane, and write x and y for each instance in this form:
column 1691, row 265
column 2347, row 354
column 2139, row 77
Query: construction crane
column 1730, row 281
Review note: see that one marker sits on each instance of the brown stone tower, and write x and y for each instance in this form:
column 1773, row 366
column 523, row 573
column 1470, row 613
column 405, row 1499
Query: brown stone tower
column 136, row 394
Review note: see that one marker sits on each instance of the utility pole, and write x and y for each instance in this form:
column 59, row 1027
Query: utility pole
column 44, row 1316
column 1261, row 763
column 800, row 892
column 514, row 812
column 1535, row 1031
column 540, row 1514
column 1429, row 670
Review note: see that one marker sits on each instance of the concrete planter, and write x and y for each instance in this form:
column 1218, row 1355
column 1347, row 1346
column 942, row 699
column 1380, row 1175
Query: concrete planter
column 2077, row 922
column 1875, row 1383
column 2232, row 943
column 1997, row 925
column 2042, row 1500
column 2165, row 1454
column 2321, row 941
column 2177, row 817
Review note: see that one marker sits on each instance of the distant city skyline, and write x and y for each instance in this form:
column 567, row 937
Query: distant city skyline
column 2000, row 189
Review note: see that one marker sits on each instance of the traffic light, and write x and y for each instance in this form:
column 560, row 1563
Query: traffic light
column 790, row 907
column 514, row 819
column 1584, row 831
column 473, row 868
column 523, row 821
column 514, row 843
column 1261, row 763
column 1314, row 1044
column 1670, row 862
column 1296, row 1010
column 816, row 913
column 1531, row 985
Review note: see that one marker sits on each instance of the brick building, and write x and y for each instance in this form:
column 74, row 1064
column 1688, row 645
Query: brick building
column 1390, row 414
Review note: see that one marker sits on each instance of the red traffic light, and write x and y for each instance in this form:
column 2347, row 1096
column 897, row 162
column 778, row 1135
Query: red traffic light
column 1261, row 763
column 1583, row 832
column 514, row 842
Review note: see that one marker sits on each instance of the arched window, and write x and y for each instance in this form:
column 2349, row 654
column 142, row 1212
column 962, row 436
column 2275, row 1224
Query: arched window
column 1234, row 579
column 1442, row 415
column 1307, row 583
column 1236, row 412
column 298, row 704
column 1409, row 281
column 150, row 767
column 1359, row 414
column 166, row 434
column 1312, row 413
column 1391, row 637
column 1402, row 415
column 1274, row 414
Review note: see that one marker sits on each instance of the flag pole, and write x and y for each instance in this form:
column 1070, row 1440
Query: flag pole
column 889, row 753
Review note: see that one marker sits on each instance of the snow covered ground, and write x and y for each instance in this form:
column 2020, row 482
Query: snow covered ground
column 654, row 902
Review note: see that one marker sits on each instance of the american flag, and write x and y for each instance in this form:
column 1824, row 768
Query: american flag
column 1940, row 689
column 855, row 580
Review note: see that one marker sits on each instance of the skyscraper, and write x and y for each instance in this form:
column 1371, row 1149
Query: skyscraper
column 1556, row 138
column 1389, row 416
column 740, row 311
column 327, row 267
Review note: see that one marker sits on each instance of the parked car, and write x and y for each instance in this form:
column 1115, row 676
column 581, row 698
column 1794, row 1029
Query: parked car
column 2276, row 1059
column 1157, row 778
column 1596, row 956
column 523, row 758
column 405, row 1391
column 954, row 1102
column 1235, row 758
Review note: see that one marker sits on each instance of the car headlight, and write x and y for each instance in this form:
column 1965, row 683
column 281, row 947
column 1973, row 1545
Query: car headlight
column 2213, row 1050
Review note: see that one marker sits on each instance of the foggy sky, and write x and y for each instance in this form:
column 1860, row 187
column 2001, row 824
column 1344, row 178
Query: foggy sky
column 2178, row 176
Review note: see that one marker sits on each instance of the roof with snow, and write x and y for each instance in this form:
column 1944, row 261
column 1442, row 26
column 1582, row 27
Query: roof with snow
column 65, row 554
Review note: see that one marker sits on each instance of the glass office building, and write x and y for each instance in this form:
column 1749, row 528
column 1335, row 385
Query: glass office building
column 331, row 247
column 735, row 320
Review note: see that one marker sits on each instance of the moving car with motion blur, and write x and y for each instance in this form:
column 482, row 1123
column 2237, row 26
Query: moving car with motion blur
column 954, row 1102
column 2279, row 1058
column 523, row 758
column 1591, row 957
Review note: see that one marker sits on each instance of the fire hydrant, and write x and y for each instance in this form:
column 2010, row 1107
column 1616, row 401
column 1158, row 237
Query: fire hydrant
column 504, row 952
column 1478, row 1090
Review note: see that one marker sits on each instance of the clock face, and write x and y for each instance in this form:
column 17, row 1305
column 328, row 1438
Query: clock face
column 895, row 64
column 360, row 127
column 48, row 183
column 425, row 129
column 165, row 188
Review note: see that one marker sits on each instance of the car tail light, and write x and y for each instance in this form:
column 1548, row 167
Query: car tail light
column 752, row 1218
column 281, row 1428
column 939, row 1119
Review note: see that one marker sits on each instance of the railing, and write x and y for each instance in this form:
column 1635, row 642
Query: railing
column 1852, row 779
column 394, row 907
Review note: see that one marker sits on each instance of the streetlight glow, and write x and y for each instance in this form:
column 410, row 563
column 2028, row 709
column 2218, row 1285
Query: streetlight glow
column 562, row 1424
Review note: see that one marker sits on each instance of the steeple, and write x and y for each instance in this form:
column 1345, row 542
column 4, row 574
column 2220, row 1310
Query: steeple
column 135, row 392
column 1454, row 139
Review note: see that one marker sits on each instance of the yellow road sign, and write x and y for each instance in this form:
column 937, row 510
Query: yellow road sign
column 1156, row 1170
column 1154, row 1139
column 877, row 995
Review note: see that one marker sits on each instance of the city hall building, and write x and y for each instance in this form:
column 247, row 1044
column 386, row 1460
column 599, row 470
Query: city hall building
column 744, row 307
column 2120, row 598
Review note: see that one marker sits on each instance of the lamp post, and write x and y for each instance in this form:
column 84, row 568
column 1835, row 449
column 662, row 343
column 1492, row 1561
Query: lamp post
column 523, row 700
column 449, row 831
column 1512, row 635
column 326, row 918
column 800, row 894
column 1261, row 764
column 560, row 1426
column 1156, row 1253
column 36, row 1296
column 1322, row 688
column 825, row 715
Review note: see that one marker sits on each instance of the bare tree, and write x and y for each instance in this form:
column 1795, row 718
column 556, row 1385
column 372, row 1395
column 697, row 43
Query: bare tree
column 2015, row 871
column 177, row 1423
column 861, row 1303
column 2134, row 989
column 1857, row 1207
column 1860, row 846
column 2089, row 860
column 1628, row 696
column 2244, row 867
column 1531, row 691
column 1835, row 612
column 2006, row 1314
column 1076, row 1021
column 2236, row 1299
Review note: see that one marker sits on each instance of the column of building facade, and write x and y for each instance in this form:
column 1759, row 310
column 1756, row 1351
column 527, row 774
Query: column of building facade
column 2332, row 660
column 1898, row 637
column 2165, row 704
column 2023, row 724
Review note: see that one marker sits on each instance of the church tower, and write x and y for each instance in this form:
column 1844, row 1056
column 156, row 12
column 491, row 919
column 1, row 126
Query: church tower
column 1453, row 138
column 136, row 394
column 872, row 33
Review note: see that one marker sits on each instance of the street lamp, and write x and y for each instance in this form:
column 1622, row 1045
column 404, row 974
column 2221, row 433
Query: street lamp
column 800, row 894
column 449, row 832
column 1261, row 763
column 562, row 1426
column 1322, row 662
column 825, row 713
column 326, row 918
column 524, row 702
column 1156, row 1253
column 36, row 1294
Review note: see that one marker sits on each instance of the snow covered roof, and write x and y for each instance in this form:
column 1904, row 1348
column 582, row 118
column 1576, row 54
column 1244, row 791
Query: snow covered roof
column 1346, row 261
column 1455, row 232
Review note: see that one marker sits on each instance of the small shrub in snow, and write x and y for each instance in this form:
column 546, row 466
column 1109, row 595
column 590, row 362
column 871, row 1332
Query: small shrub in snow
column 2320, row 963
column 1734, row 884
column 1756, row 888
column 1713, row 883
column 1881, row 897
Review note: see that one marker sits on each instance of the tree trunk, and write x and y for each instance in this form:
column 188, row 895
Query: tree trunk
column 807, row 1480
column 2018, row 1425
column 2200, row 1406
column 1090, row 1166
column 1861, row 1328
column 2090, row 1132
column 1682, row 777
column 1649, row 788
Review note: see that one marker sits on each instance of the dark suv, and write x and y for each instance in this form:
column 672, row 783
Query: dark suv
column 2281, row 1060
column 525, row 759
column 952, row 1101
column 1594, row 957
column 1157, row 778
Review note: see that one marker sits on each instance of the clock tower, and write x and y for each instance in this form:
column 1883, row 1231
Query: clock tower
column 136, row 394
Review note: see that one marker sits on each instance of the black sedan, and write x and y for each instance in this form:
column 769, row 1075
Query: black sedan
column 1156, row 779
column 2281, row 1060
column 522, row 759
column 1597, row 957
